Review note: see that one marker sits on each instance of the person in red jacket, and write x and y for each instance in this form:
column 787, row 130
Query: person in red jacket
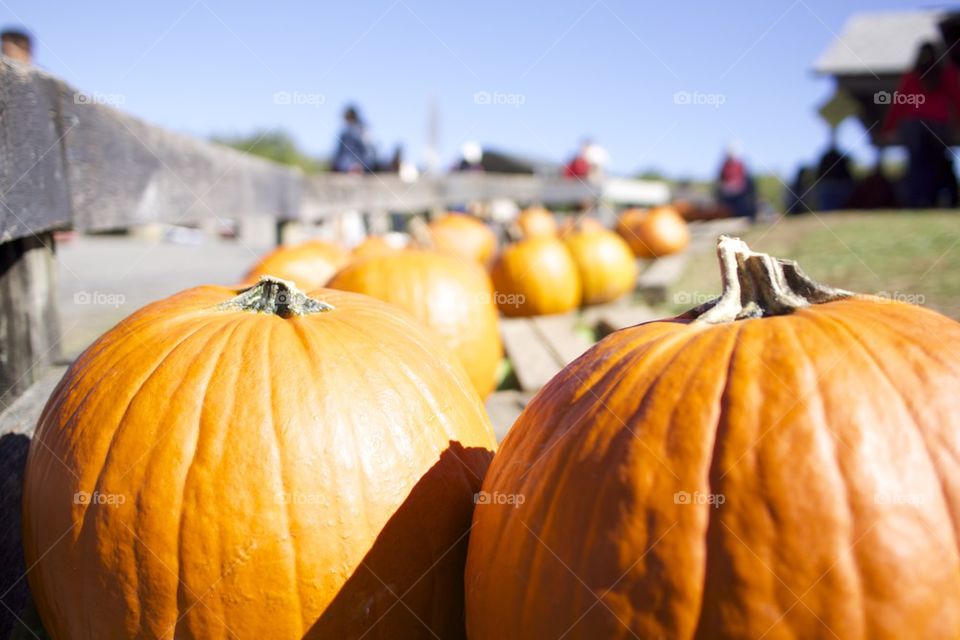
column 920, row 113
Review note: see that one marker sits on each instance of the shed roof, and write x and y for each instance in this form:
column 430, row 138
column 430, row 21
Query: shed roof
column 879, row 43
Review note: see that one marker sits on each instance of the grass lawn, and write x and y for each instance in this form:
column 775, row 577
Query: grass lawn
column 913, row 256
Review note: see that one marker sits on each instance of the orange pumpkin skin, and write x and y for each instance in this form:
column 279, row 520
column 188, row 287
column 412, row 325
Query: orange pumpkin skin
column 580, row 223
column 463, row 235
column 817, row 428
column 373, row 246
column 536, row 221
column 536, row 276
column 453, row 297
column 254, row 476
column 661, row 231
column 309, row 264
column 607, row 267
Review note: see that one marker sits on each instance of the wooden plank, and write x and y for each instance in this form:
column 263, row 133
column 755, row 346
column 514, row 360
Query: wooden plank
column 29, row 323
column 620, row 317
column 559, row 334
column 17, row 424
column 123, row 171
column 33, row 189
column 504, row 407
column 657, row 278
column 533, row 362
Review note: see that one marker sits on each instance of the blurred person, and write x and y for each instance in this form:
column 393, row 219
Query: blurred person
column 834, row 183
column 597, row 160
column 355, row 153
column 16, row 44
column 578, row 167
column 920, row 112
column 735, row 188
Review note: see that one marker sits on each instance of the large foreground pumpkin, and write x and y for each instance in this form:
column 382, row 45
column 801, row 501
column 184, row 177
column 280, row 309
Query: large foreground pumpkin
column 462, row 235
column 536, row 276
column 451, row 296
column 605, row 262
column 308, row 265
column 654, row 233
column 256, row 466
column 783, row 464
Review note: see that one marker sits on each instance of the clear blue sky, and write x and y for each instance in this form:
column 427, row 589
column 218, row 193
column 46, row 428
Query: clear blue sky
column 607, row 69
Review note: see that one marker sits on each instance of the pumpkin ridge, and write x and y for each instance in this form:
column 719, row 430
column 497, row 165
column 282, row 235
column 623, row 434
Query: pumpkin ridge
column 182, row 608
column 935, row 463
column 270, row 392
column 712, row 465
column 83, row 523
column 846, row 558
column 184, row 591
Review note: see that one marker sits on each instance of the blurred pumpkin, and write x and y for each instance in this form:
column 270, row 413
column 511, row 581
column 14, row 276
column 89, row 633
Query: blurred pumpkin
column 308, row 265
column 536, row 276
column 654, row 233
column 782, row 463
column 462, row 235
column 377, row 246
column 607, row 266
column 253, row 465
column 536, row 221
column 580, row 222
column 451, row 296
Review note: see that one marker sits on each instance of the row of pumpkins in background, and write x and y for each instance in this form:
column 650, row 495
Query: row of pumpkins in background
column 453, row 279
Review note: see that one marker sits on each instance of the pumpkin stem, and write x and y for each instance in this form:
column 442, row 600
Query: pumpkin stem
column 275, row 296
column 420, row 232
column 757, row 285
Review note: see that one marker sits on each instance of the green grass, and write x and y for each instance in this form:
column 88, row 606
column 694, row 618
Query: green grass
column 913, row 256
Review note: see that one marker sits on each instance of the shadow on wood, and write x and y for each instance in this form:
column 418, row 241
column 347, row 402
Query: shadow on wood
column 403, row 573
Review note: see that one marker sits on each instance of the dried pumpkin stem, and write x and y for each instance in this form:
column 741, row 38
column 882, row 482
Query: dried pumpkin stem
column 420, row 232
column 757, row 285
column 275, row 296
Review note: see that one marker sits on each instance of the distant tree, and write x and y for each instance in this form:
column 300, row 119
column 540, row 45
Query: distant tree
column 651, row 174
column 278, row 146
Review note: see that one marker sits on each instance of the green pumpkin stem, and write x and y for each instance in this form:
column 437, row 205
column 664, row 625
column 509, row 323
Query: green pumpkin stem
column 275, row 296
column 757, row 285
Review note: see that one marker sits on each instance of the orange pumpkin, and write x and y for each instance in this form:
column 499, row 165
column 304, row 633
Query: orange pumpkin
column 453, row 297
column 605, row 262
column 308, row 264
column 536, row 221
column 374, row 246
column 580, row 223
column 536, row 276
column 261, row 465
column 462, row 235
column 654, row 233
column 781, row 464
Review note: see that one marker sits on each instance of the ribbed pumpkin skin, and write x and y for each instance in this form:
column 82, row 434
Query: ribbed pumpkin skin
column 659, row 232
column 805, row 423
column 536, row 276
column 464, row 236
column 308, row 265
column 536, row 221
column 453, row 297
column 261, row 460
column 607, row 267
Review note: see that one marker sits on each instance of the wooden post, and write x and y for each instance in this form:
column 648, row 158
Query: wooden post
column 29, row 322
